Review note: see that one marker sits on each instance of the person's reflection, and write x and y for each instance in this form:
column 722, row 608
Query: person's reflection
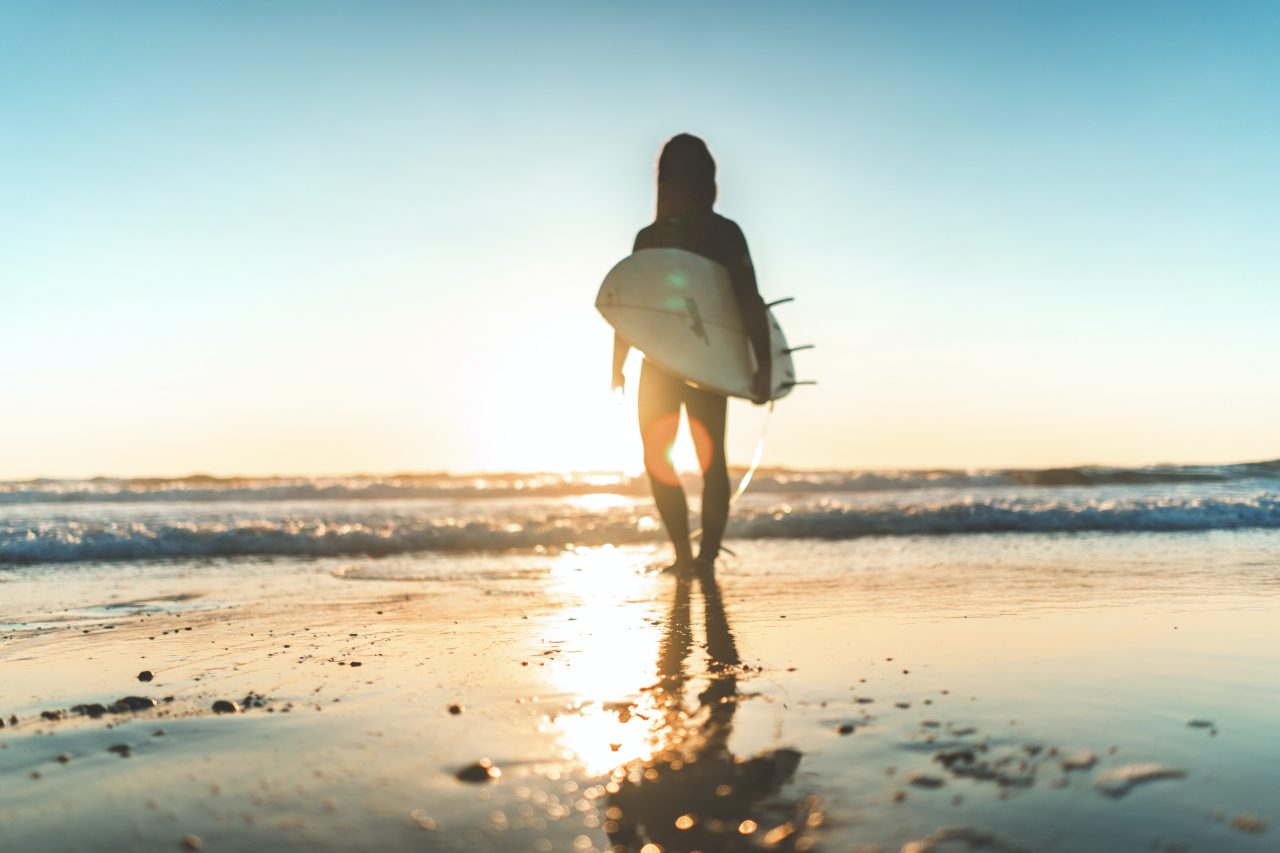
column 694, row 794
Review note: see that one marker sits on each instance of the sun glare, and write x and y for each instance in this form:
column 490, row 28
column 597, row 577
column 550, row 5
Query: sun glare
column 609, row 648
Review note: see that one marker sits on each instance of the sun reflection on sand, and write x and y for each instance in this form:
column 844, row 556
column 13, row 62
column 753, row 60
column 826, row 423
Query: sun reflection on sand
column 637, row 704
column 606, row 657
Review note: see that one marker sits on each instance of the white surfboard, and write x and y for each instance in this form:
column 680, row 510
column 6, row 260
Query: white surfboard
column 678, row 308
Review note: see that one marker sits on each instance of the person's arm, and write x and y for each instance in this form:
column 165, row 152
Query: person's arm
column 755, row 317
column 620, row 351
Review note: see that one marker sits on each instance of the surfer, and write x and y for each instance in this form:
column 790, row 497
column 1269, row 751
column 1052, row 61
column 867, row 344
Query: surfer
column 685, row 220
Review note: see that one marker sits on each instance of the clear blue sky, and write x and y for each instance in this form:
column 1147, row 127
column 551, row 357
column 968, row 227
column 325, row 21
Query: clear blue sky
column 325, row 237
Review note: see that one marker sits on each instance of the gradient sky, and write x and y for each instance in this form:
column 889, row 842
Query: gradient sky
column 331, row 237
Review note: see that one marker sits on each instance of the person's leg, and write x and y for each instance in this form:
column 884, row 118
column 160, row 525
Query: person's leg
column 707, row 422
column 658, row 404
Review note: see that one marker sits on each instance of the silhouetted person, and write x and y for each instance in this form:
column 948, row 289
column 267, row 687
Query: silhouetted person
column 685, row 220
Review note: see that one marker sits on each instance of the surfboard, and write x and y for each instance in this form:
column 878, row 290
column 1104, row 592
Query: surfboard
column 678, row 308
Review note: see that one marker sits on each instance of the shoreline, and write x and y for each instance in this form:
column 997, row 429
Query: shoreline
column 909, row 702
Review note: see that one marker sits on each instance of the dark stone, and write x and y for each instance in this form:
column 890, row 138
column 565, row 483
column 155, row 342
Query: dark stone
column 959, row 756
column 846, row 729
column 923, row 780
column 253, row 700
column 95, row 710
column 356, row 663
column 63, row 758
column 133, row 703
column 51, row 715
column 121, row 749
column 482, row 771
column 224, row 706
column 145, row 675
column 455, row 709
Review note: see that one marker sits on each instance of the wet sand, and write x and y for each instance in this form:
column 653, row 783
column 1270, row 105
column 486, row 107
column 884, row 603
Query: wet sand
column 574, row 702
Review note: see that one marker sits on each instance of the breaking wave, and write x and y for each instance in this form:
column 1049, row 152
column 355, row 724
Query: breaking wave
column 257, row 535
column 207, row 489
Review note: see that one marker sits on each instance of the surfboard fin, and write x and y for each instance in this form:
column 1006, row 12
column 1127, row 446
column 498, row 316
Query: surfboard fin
column 794, row 383
column 790, row 350
column 780, row 301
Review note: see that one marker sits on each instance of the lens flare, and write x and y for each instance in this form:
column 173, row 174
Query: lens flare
column 665, row 455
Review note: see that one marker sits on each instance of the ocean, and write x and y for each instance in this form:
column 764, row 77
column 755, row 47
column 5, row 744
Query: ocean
column 70, row 521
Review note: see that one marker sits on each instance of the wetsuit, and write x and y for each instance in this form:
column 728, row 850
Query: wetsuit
column 661, row 394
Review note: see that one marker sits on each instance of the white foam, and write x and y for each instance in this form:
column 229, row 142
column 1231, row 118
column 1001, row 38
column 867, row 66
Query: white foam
column 249, row 531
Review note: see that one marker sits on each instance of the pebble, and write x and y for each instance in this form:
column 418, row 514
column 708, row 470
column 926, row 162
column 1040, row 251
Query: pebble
column 145, row 675
column 225, row 706
column 63, row 758
column 924, row 780
column 192, row 842
column 132, row 703
column 95, row 710
column 482, row 771
column 1079, row 761
column 455, row 709
column 121, row 749
column 845, row 729
column 356, row 663
column 1249, row 823
column 1120, row 780
column 51, row 715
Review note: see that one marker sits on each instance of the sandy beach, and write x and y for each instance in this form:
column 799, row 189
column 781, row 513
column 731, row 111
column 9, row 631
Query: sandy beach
column 923, row 693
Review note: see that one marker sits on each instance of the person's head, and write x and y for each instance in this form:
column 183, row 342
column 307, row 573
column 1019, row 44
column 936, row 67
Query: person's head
column 686, row 176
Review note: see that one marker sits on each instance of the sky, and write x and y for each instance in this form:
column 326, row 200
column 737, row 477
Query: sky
column 322, row 238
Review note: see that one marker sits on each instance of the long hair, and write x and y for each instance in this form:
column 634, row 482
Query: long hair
column 686, row 176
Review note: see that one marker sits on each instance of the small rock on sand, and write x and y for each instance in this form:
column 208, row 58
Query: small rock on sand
column 845, row 729
column 225, row 706
column 145, row 675
column 121, row 749
column 455, row 709
column 1249, row 823
column 1079, row 761
column 63, row 758
column 1120, row 780
column 131, row 703
column 924, row 780
column 95, row 710
column 192, row 842
column 973, row 839
column 482, row 771
column 356, row 663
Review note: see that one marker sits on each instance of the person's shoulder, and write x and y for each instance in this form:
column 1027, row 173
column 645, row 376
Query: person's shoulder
column 644, row 237
column 727, row 230
column 726, row 227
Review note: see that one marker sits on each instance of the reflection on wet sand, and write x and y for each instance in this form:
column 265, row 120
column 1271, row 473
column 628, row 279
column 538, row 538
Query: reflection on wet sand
column 693, row 793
